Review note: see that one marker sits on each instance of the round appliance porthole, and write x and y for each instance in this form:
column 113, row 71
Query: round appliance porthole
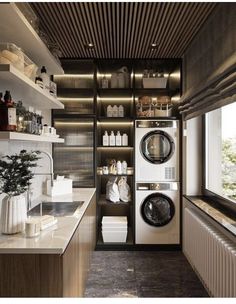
column 157, row 209
column 157, row 147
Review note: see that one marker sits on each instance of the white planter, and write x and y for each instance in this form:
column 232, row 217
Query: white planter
column 13, row 214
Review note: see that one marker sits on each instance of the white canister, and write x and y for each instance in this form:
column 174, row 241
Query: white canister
column 32, row 227
column 46, row 130
column 124, row 139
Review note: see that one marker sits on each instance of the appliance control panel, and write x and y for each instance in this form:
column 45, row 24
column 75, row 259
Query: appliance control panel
column 156, row 124
column 173, row 186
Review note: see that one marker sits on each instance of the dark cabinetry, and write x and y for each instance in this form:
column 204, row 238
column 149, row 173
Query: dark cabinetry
column 87, row 89
column 76, row 123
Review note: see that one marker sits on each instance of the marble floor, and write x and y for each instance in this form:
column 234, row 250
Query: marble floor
column 142, row 274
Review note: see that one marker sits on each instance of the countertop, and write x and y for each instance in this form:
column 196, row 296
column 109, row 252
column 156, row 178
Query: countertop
column 229, row 223
column 55, row 239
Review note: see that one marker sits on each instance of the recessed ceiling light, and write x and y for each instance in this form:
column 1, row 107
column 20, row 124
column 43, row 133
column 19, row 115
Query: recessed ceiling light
column 154, row 46
column 89, row 45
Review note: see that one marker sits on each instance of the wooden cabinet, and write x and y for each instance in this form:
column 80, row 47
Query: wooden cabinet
column 76, row 259
column 52, row 275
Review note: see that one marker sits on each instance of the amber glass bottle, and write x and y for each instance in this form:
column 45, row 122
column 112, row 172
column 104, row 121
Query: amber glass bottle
column 7, row 113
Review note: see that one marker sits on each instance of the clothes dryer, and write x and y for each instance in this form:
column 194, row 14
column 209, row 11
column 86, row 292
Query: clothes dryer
column 156, row 150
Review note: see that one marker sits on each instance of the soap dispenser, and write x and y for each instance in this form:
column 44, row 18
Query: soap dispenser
column 105, row 139
column 112, row 139
column 118, row 139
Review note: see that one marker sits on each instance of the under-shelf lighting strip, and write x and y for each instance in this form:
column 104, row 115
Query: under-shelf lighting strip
column 129, row 123
column 115, row 98
column 141, row 75
column 75, row 99
column 84, row 76
column 74, row 123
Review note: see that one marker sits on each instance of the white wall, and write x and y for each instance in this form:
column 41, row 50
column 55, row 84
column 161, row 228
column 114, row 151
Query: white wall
column 12, row 147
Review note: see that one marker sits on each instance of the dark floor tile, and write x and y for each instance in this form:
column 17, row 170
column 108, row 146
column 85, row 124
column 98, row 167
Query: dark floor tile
column 142, row 274
column 111, row 293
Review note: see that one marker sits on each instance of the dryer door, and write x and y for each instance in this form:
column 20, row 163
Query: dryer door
column 157, row 209
column 157, row 147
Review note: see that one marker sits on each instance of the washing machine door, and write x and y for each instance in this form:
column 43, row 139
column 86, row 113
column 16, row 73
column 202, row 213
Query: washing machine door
column 157, row 209
column 157, row 147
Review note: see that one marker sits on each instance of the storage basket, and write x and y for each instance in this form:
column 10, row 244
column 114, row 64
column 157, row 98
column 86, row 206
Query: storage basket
column 155, row 83
column 11, row 54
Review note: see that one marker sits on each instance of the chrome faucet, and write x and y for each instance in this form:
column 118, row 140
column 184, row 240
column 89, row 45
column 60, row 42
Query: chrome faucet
column 51, row 165
column 51, row 173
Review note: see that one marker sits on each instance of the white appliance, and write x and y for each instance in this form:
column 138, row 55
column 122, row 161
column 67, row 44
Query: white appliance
column 157, row 213
column 156, row 150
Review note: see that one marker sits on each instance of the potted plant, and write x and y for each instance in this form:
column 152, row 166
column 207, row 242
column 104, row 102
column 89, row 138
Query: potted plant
column 15, row 179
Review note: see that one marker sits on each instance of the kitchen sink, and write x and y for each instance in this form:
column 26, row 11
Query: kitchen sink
column 56, row 208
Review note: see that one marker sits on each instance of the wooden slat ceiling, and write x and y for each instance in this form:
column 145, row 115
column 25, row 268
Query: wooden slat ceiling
column 122, row 29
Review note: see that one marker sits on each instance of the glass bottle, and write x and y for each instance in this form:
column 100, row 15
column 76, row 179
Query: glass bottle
column 3, row 113
column 29, row 122
column 20, row 116
column 8, row 113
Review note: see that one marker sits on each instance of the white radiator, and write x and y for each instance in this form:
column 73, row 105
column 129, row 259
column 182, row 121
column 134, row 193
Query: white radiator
column 211, row 253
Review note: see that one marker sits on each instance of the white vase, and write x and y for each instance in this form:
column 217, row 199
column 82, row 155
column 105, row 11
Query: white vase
column 13, row 214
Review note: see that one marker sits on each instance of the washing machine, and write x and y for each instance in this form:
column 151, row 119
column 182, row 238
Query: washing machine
column 157, row 213
column 156, row 150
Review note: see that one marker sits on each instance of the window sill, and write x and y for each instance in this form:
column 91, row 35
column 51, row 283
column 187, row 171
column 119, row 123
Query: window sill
column 214, row 211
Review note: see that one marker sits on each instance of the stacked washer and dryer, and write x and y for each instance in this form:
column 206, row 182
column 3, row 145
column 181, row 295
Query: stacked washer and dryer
column 157, row 187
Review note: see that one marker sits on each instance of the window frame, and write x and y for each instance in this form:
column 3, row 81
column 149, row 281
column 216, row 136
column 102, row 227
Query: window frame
column 208, row 194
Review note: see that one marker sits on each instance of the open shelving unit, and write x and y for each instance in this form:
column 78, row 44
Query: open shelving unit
column 105, row 97
column 83, row 87
column 15, row 28
column 24, row 88
column 9, row 136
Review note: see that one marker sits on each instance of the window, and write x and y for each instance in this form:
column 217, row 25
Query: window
column 220, row 152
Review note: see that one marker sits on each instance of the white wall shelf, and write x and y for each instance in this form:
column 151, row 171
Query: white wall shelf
column 10, row 136
column 15, row 28
column 23, row 88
